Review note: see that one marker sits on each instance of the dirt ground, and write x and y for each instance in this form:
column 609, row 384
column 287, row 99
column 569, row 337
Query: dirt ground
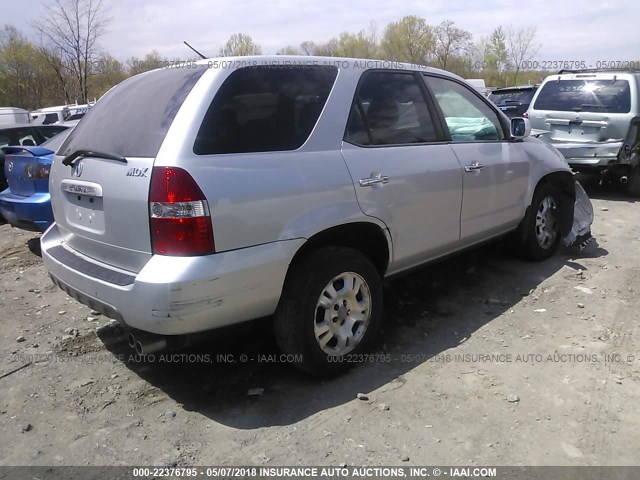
column 483, row 360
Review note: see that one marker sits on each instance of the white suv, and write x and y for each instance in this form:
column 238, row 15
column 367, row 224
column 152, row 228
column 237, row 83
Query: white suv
column 234, row 189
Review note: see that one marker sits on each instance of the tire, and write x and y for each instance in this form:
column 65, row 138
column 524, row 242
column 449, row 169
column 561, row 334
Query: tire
column 634, row 181
column 540, row 232
column 302, row 322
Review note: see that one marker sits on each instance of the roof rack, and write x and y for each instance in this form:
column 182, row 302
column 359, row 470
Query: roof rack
column 603, row 70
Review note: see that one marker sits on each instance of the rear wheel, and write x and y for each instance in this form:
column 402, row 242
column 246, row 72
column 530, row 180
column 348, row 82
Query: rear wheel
column 540, row 232
column 330, row 310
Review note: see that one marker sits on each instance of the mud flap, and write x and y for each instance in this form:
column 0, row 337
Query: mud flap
column 580, row 234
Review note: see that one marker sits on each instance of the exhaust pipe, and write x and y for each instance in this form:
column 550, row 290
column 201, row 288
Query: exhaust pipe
column 624, row 180
column 147, row 343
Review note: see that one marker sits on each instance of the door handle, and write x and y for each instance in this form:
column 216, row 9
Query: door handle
column 373, row 179
column 474, row 167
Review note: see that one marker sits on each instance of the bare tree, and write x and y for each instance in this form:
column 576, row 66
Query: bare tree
column 308, row 47
column 521, row 47
column 72, row 28
column 240, row 44
column 450, row 40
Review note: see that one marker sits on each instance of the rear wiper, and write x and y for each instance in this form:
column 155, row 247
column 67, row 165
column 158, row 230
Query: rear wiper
column 69, row 159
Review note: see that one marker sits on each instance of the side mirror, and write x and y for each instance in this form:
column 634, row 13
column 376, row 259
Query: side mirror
column 520, row 128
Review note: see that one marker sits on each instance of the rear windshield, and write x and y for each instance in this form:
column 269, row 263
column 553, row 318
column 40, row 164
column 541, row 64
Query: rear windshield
column 132, row 119
column 511, row 97
column 607, row 96
column 262, row 109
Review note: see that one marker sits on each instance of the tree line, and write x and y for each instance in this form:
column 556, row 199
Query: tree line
column 65, row 64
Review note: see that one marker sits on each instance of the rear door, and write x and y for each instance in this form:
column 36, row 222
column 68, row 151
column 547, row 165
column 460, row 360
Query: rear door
column 496, row 171
column 403, row 173
column 99, row 181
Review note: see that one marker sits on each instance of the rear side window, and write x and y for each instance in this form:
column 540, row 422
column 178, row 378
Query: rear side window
column 389, row 109
column 50, row 132
column 133, row 118
column 265, row 109
column 607, row 96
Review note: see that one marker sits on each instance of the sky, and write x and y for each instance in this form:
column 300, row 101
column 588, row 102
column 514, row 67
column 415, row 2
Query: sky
column 573, row 30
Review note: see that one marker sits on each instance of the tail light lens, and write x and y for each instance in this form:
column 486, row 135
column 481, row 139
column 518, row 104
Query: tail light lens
column 179, row 214
column 37, row 171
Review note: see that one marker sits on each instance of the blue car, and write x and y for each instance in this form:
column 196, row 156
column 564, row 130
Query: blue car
column 26, row 204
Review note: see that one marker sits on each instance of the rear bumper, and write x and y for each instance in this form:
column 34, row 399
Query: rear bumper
column 29, row 213
column 177, row 295
column 590, row 155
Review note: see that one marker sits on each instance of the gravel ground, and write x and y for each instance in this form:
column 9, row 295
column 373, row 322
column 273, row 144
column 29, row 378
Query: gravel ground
column 483, row 359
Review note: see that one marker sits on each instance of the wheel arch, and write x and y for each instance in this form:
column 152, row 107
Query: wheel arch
column 369, row 238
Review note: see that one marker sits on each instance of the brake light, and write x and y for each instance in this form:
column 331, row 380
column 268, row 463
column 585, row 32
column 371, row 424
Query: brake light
column 37, row 171
column 179, row 214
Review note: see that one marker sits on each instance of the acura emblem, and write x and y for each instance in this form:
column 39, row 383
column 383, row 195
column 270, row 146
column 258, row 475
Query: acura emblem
column 77, row 168
column 576, row 117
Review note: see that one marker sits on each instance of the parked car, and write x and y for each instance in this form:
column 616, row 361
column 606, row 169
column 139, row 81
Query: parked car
column 23, row 135
column 281, row 188
column 26, row 202
column 12, row 115
column 594, row 120
column 513, row 101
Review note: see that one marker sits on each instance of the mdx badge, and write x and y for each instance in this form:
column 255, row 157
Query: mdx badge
column 137, row 172
column 77, row 168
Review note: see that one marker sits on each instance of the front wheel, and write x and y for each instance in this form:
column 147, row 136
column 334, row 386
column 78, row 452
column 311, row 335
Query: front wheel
column 330, row 310
column 540, row 232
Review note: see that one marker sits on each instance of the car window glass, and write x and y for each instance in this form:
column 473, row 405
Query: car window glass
column 511, row 96
column 585, row 96
column 389, row 109
column 51, row 132
column 263, row 109
column 4, row 141
column 132, row 119
column 468, row 118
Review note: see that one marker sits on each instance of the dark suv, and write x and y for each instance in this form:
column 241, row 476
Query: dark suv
column 513, row 101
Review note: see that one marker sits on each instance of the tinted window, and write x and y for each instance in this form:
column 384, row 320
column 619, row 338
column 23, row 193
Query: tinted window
column 132, row 119
column 511, row 97
column 468, row 117
column 50, row 132
column 585, row 96
column 26, row 137
column 262, row 109
column 55, row 142
column 389, row 109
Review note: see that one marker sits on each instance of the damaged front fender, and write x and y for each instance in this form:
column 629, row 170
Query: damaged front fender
column 580, row 234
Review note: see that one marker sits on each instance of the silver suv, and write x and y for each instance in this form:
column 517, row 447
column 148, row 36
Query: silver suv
column 594, row 120
column 193, row 198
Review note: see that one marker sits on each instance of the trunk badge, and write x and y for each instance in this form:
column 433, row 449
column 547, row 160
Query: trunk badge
column 77, row 168
column 10, row 167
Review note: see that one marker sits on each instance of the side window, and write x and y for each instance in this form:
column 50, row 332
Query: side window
column 264, row 109
column 468, row 118
column 51, row 132
column 389, row 109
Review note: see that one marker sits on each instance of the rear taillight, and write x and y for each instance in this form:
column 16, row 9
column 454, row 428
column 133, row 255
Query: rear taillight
column 36, row 171
column 180, row 220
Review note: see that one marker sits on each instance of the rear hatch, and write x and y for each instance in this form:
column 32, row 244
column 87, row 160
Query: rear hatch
column 100, row 178
column 583, row 109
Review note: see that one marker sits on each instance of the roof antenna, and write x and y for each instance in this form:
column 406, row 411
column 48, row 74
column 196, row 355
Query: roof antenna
column 199, row 54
